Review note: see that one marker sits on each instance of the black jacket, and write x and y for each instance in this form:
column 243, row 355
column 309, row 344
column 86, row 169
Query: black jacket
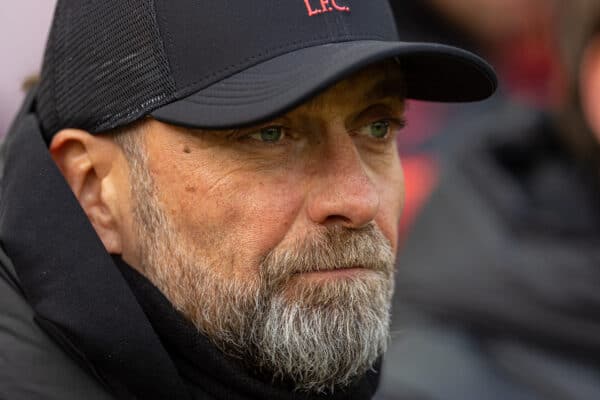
column 498, row 288
column 76, row 323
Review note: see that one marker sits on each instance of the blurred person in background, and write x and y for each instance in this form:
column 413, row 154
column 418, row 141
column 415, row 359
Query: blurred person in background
column 517, row 35
column 498, row 284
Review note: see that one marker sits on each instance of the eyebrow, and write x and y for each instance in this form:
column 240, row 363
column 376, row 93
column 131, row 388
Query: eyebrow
column 387, row 88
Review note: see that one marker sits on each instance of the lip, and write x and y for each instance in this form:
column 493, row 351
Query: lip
column 336, row 273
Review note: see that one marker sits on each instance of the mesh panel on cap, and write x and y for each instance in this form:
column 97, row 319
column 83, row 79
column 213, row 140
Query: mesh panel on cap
column 105, row 66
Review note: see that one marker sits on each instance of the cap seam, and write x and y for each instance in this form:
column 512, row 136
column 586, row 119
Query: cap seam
column 169, row 36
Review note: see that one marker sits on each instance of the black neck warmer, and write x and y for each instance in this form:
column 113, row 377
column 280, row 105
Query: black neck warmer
column 207, row 371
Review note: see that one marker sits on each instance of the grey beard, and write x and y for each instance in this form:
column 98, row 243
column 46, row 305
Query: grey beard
column 318, row 335
column 328, row 344
column 323, row 335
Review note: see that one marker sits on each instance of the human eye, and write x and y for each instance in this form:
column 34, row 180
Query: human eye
column 381, row 129
column 270, row 134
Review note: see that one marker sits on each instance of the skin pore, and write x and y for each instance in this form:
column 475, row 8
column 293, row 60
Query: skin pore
column 277, row 241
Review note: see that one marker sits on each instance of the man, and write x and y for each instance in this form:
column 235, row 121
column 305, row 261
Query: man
column 497, row 294
column 201, row 198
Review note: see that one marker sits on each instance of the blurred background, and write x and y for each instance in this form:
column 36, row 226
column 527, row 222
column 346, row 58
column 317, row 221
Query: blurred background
column 24, row 26
column 497, row 282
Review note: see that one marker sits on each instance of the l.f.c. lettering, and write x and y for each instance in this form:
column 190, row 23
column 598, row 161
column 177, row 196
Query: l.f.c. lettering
column 324, row 6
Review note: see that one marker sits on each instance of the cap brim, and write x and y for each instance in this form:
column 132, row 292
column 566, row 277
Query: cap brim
column 432, row 71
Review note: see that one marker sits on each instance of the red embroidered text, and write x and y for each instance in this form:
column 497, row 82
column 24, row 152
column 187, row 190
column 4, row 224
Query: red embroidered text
column 324, row 6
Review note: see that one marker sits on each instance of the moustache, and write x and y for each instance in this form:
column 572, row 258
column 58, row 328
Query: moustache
column 333, row 248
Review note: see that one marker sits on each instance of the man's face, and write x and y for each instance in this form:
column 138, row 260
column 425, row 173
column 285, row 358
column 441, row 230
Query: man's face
column 277, row 240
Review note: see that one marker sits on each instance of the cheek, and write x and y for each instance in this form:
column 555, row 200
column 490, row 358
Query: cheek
column 234, row 217
column 392, row 195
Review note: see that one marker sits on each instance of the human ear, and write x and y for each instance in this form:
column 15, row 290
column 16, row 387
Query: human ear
column 589, row 84
column 89, row 164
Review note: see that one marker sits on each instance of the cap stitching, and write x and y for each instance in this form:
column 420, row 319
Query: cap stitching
column 125, row 115
column 169, row 36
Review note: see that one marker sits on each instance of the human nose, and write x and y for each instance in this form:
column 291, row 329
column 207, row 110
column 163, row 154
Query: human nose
column 342, row 191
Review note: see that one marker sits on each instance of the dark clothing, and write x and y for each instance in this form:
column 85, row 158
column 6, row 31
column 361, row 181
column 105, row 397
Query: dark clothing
column 113, row 334
column 498, row 285
column 32, row 366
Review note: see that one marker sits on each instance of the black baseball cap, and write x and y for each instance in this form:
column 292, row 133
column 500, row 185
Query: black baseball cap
column 226, row 63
